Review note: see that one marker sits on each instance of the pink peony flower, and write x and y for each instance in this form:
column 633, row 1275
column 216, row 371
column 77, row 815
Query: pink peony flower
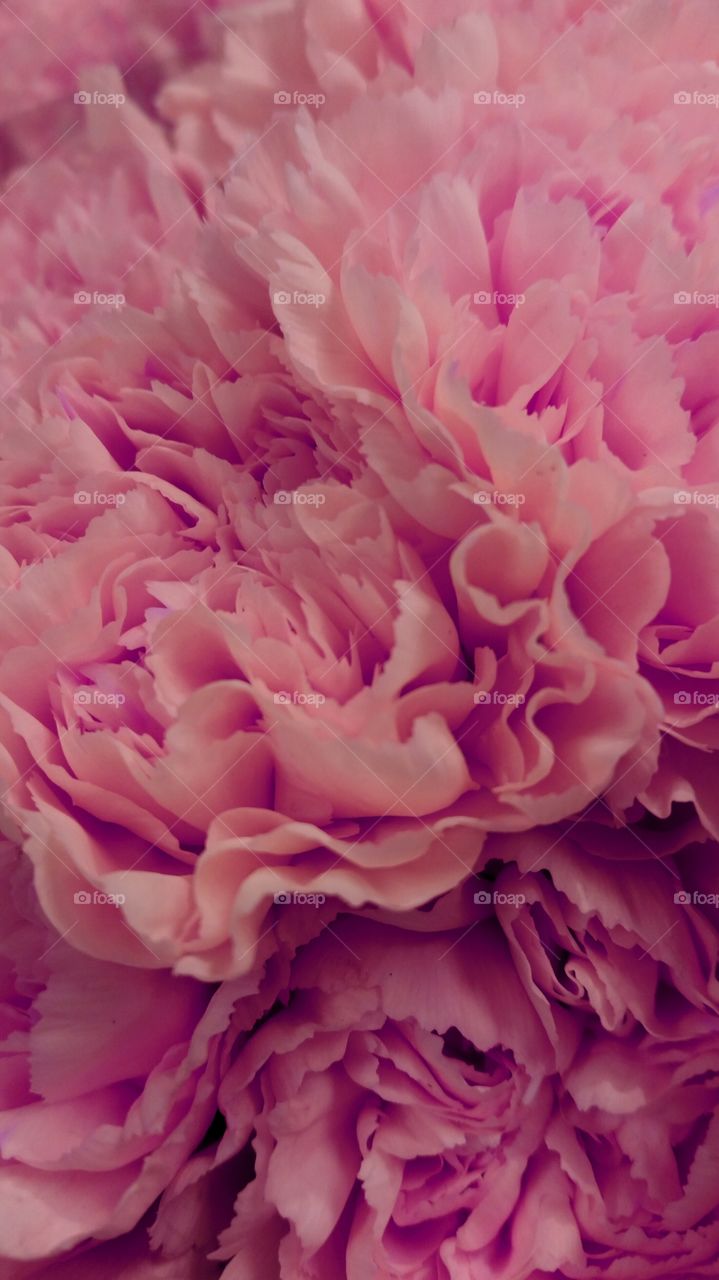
column 316, row 577
column 101, row 1100
column 358, row 648
column 519, row 1081
column 609, row 928
column 49, row 46
column 422, row 1107
column 121, row 222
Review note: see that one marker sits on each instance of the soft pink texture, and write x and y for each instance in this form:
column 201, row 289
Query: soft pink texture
column 209, row 695
column 408, row 1114
column 387, row 590
column 469, row 1091
column 53, row 49
column 122, row 219
column 50, row 45
column 106, row 1087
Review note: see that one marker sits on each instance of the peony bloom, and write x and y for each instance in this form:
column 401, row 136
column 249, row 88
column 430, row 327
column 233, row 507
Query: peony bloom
column 121, row 221
column 50, row 46
column 422, row 1107
column 101, row 1100
column 60, row 56
column 352, row 534
column 519, row 1081
column 359, row 654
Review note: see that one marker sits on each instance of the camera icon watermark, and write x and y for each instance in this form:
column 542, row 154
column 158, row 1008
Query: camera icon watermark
column 83, row 298
column 495, row 98
column 83, row 898
column 697, row 698
column 295, row 898
column 297, row 699
column 85, row 498
column 487, row 298
column 93, row 98
column 486, row 697
column 298, row 497
column 684, row 898
column 282, row 298
column 96, row 698
column 488, row 498
column 494, row 897
column 688, row 497
column 294, row 98
column 694, row 98
column 696, row 298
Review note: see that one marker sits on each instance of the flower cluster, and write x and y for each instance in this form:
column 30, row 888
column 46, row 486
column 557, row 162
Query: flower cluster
column 359, row 659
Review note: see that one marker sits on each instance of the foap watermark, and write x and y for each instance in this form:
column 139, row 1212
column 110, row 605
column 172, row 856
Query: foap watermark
column 695, row 98
column 295, row 898
column 83, row 298
column 83, row 898
column 697, row 698
column 94, row 498
column 486, row 497
column 283, row 298
column 295, row 98
column 93, row 98
column 288, row 497
column 96, row 698
column 487, row 698
column 495, row 98
column 494, row 897
column 687, row 898
column 696, row 298
column 489, row 297
column 297, row 699
column 688, row 498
